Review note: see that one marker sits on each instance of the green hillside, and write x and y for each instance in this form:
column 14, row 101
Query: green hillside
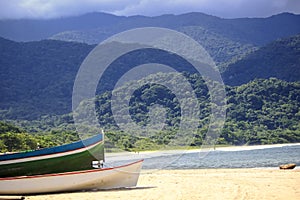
column 37, row 77
column 259, row 112
column 262, row 91
column 223, row 50
column 279, row 59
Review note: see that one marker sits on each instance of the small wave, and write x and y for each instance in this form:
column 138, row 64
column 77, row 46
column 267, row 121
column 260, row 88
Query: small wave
column 255, row 147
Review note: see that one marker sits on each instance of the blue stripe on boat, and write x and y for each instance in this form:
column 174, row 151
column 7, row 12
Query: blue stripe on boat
column 52, row 150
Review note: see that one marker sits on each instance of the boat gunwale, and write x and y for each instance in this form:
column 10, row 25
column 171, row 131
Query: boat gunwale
column 69, row 173
column 46, row 156
column 47, row 151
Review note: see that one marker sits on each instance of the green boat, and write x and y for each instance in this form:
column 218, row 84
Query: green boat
column 70, row 157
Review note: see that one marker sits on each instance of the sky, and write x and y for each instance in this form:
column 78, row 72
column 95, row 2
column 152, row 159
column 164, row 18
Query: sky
column 17, row 9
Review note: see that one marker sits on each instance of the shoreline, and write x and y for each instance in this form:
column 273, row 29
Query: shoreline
column 197, row 150
column 239, row 183
column 148, row 154
column 242, row 147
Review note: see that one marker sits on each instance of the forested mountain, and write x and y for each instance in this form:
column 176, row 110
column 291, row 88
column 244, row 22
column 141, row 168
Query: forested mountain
column 262, row 111
column 94, row 27
column 34, row 29
column 37, row 77
column 259, row 59
column 227, row 40
column 222, row 49
column 259, row 112
column 280, row 59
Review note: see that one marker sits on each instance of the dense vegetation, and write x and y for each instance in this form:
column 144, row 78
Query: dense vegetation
column 280, row 59
column 260, row 112
column 37, row 77
column 13, row 138
column 223, row 50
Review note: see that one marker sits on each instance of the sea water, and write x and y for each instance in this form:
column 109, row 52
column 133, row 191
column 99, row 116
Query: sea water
column 268, row 157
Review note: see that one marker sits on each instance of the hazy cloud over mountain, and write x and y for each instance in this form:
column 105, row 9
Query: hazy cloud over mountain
column 15, row 9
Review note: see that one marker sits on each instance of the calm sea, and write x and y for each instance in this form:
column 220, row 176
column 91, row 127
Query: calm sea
column 255, row 158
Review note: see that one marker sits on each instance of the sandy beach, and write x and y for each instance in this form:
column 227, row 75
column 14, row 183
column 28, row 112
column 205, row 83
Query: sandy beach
column 199, row 184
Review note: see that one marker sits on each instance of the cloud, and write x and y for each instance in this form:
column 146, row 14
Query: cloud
column 14, row 9
column 58, row 8
column 221, row 8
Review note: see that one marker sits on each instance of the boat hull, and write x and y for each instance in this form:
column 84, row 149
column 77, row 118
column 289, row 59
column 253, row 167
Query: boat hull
column 107, row 178
column 287, row 166
column 67, row 159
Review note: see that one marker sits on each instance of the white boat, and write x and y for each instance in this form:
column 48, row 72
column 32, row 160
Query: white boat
column 102, row 178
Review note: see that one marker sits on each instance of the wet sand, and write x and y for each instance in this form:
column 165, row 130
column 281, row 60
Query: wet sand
column 200, row 184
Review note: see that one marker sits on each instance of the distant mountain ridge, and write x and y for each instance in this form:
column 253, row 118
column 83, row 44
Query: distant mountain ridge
column 226, row 40
column 256, row 31
column 35, row 29
column 279, row 59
